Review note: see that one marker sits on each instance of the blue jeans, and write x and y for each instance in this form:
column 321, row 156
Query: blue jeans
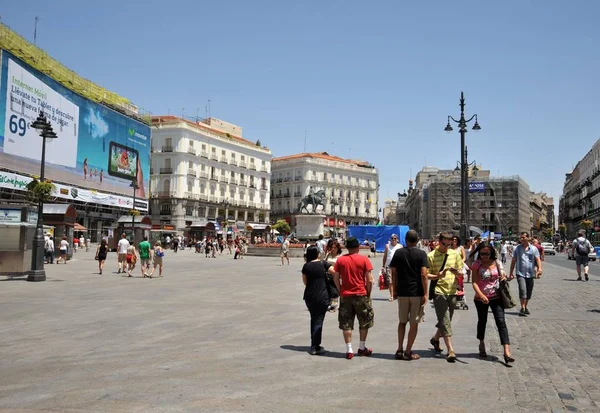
column 317, row 317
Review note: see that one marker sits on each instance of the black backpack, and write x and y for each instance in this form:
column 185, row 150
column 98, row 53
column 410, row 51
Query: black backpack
column 583, row 248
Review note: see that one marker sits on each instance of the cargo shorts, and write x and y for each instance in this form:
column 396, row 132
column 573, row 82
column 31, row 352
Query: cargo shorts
column 444, row 310
column 359, row 306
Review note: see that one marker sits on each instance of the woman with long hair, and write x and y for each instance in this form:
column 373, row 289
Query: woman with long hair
column 332, row 252
column 487, row 273
column 316, row 295
column 101, row 253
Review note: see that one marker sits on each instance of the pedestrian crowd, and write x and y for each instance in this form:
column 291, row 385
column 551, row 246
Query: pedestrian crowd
column 344, row 282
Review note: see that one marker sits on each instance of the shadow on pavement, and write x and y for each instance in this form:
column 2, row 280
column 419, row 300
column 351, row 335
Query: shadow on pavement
column 424, row 354
column 14, row 279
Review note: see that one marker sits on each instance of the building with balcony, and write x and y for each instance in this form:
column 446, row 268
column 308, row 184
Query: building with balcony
column 580, row 199
column 497, row 205
column 351, row 188
column 205, row 173
column 390, row 207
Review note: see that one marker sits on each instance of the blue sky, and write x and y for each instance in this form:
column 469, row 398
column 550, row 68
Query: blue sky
column 368, row 80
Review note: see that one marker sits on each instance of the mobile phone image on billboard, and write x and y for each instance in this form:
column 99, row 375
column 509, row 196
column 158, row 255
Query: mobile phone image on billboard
column 122, row 161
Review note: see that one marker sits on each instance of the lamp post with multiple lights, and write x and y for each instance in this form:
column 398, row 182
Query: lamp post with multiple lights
column 464, row 182
column 135, row 187
column 37, row 273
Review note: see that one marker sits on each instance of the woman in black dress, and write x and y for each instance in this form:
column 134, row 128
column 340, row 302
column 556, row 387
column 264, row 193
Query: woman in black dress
column 316, row 296
column 101, row 253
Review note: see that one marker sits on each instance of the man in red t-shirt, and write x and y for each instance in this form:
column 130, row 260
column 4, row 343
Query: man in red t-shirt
column 354, row 280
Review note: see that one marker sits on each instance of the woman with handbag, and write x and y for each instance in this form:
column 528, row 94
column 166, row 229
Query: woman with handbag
column 487, row 275
column 157, row 259
column 101, row 253
column 316, row 295
column 333, row 251
column 131, row 259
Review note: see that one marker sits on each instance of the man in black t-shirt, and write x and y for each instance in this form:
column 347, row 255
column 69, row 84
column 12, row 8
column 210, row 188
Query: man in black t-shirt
column 409, row 280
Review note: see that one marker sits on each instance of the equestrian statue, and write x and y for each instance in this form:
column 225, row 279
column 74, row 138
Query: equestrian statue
column 315, row 199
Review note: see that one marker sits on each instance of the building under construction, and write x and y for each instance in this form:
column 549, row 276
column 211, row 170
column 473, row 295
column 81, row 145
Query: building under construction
column 499, row 205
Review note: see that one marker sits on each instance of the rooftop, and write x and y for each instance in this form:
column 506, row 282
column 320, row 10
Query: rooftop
column 325, row 156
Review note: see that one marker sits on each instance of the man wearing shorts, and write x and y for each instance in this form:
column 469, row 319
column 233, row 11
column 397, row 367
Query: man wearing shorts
column 354, row 280
column 145, row 256
column 285, row 251
column 122, row 253
column 409, row 285
column 580, row 246
column 446, row 267
column 526, row 258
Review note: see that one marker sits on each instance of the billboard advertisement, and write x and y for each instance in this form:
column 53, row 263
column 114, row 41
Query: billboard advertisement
column 97, row 148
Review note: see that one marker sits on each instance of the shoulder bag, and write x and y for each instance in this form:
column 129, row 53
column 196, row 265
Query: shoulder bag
column 433, row 283
column 504, row 290
column 330, row 284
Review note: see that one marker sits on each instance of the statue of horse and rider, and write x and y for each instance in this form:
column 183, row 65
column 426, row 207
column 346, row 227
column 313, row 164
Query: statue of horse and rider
column 314, row 199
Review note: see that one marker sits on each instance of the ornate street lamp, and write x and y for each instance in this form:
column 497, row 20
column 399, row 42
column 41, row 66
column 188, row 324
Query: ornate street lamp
column 464, row 182
column 135, row 187
column 37, row 273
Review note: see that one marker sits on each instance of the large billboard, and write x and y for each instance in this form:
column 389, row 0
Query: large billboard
column 97, row 148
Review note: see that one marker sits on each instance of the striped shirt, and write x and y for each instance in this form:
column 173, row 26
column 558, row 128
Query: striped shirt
column 446, row 285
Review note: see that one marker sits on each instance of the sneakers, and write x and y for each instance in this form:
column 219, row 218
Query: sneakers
column 587, row 278
column 350, row 356
column 317, row 351
column 527, row 311
column 579, row 279
column 522, row 313
column 365, row 352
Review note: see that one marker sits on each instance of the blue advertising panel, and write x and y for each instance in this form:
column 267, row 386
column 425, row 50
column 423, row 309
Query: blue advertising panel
column 476, row 186
column 96, row 148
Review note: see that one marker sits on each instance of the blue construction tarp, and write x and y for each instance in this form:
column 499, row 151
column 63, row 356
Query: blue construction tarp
column 380, row 233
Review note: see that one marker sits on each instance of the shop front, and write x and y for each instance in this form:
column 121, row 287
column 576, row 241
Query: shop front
column 213, row 228
column 142, row 228
column 159, row 232
column 258, row 230
column 334, row 227
column 62, row 217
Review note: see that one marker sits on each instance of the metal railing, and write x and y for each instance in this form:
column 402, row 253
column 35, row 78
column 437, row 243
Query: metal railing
column 191, row 172
column 243, row 165
column 191, row 151
column 204, row 154
column 166, row 170
column 167, row 148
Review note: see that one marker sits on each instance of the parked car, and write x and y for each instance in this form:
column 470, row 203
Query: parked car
column 591, row 255
column 548, row 248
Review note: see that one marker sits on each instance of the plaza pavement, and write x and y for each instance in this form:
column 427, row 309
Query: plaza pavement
column 224, row 335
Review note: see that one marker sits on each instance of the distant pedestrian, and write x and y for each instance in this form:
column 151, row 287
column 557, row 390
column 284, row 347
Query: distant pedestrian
column 373, row 248
column 409, row 267
column 285, row 250
column 487, row 275
column 64, row 247
column 157, row 259
column 581, row 250
column 316, row 295
column 82, row 243
column 390, row 248
column 88, row 243
column 101, row 254
column 49, row 249
column 445, row 268
column 131, row 259
column 75, row 244
column 333, row 252
column 539, row 247
column 122, row 246
column 321, row 246
column 145, row 256
column 503, row 251
column 526, row 258
column 354, row 280
column 175, row 244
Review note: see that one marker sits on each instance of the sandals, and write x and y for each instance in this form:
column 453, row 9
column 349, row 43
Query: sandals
column 399, row 355
column 436, row 345
column 409, row 355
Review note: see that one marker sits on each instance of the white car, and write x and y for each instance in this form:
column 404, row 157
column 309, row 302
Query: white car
column 548, row 248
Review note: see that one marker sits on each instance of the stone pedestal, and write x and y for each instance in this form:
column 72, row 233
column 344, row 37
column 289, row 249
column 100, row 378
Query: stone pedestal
column 309, row 226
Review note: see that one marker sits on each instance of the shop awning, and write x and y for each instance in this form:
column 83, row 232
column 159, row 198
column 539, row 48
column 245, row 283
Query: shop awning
column 79, row 227
column 258, row 227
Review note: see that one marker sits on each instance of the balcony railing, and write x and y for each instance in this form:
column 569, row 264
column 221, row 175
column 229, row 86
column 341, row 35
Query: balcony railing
column 203, row 197
column 166, row 170
column 204, row 154
column 253, row 186
column 191, row 151
column 264, row 169
column 278, row 180
column 224, row 179
column 297, row 194
column 252, row 166
column 214, row 157
column 165, row 194
column 167, row 149
column 297, row 178
column 264, row 188
column 243, row 183
column 243, row 164
column 203, row 175
column 287, row 195
column 223, row 159
column 191, row 172
column 287, row 179
column 191, row 195
column 233, row 181
column 212, row 198
column 214, row 178
column 233, row 161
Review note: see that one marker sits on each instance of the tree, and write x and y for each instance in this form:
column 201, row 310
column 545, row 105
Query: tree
column 39, row 191
column 282, row 226
column 548, row 233
column 562, row 229
column 586, row 224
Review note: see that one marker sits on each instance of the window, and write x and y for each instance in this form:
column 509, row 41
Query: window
column 223, row 153
column 202, row 168
column 232, row 174
column 264, row 163
column 165, row 209
column 167, row 163
column 232, row 155
column 252, row 160
column 212, row 189
column 168, row 142
column 242, row 178
column 202, row 189
column 242, row 158
column 191, row 144
column 203, row 147
column 190, row 186
column 167, row 186
column 190, row 165
column 222, row 172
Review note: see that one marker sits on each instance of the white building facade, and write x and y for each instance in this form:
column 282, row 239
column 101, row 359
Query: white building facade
column 205, row 176
column 351, row 189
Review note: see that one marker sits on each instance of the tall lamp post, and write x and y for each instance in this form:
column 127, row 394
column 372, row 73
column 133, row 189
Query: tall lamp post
column 135, row 187
column 464, row 182
column 334, row 203
column 37, row 273
column 225, row 204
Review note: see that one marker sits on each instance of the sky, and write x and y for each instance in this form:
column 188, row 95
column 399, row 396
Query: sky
column 363, row 80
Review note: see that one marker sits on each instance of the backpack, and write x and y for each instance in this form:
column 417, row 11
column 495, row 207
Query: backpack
column 583, row 248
